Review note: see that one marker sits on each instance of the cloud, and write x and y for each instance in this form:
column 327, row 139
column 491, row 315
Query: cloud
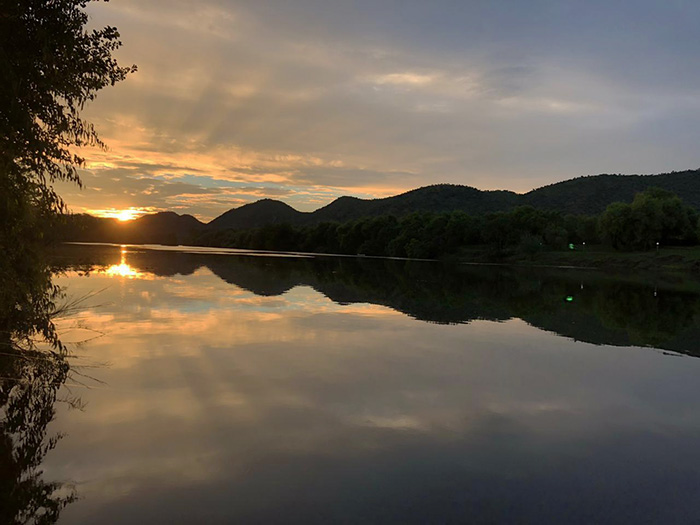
column 330, row 98
column 107, row 191
column 411, row 79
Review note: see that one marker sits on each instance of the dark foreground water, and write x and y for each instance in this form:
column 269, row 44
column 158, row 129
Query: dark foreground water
column 250, row 389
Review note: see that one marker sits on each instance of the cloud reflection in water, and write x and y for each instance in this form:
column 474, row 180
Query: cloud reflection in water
column 280, row 405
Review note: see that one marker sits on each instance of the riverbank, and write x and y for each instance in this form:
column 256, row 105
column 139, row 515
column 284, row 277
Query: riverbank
column 602, row 257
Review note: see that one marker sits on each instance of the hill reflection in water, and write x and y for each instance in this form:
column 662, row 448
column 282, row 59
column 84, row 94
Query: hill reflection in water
column 590, row 306
column 260, row 389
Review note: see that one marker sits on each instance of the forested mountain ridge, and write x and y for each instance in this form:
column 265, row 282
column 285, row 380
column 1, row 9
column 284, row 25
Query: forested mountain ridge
column 157, row 228
column 435, row 198
column 257, row 214
column 592, row 194
column 589, row 195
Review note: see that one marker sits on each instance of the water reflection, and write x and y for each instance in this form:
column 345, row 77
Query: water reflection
column 122, row 269
column 33, row 368
column 646, row 310
column 28, row 393
column 305, row 391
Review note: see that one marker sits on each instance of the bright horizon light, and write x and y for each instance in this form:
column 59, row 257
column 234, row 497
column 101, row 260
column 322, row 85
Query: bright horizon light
column 125, row 215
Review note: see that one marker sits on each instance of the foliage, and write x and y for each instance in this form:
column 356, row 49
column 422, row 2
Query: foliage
column 418, row 235
column 50, row 66
column 654, row 216
column 25, row 280
column 592, row 194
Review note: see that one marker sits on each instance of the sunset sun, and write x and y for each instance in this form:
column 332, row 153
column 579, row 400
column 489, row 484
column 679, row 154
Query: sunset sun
column 127, row 215
column 122, row 215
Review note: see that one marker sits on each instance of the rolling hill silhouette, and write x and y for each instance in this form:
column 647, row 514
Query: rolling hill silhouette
column 580, row 196
column 257, row 214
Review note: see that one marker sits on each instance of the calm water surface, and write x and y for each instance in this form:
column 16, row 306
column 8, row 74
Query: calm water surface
column 222, row 388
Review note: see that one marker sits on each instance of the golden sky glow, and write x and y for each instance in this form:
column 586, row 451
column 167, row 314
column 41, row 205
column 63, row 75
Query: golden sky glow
column 235, row 101
column 127, row 215
column 122, row 215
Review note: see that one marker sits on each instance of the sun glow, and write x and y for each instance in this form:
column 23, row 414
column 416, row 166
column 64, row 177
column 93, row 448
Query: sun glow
column 125, row 215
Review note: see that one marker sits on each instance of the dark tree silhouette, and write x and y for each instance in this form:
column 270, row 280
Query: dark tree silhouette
column 30, row 382
column 51, row 65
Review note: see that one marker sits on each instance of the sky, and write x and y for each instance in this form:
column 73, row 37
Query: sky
column 307, row 100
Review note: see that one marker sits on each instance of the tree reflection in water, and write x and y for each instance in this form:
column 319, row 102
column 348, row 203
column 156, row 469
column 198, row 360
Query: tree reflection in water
column 661, row 311
column 33, row 368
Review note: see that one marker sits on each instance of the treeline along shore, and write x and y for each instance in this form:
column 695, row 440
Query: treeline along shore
column 413, row 225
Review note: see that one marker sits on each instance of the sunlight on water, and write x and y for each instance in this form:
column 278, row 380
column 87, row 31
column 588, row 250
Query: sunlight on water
column 122, row 269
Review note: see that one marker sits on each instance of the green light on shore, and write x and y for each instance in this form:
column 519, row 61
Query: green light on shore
column 569, row 298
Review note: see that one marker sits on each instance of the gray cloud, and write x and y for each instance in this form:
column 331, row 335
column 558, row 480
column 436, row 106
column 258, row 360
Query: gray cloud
column 373, row 98
column 118, row 188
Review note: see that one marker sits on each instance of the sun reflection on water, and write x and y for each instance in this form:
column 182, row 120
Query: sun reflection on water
column 122, row 269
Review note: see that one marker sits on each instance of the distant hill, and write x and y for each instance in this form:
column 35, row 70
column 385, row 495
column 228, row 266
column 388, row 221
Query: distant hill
column 257, row 214
column 158, row 228
column 164, row 224
column 580, row 196
column 436, row 198
column 591, row 195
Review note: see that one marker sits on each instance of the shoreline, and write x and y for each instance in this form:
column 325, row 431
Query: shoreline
column 686, row 259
